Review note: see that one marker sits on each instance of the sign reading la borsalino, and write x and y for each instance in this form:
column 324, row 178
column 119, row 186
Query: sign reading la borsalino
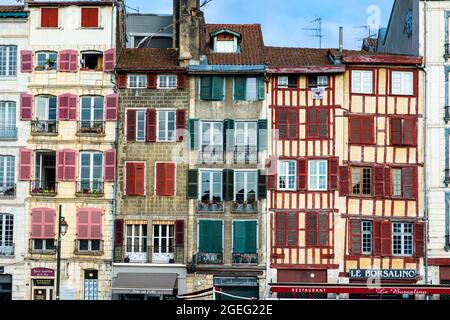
column 383, row 273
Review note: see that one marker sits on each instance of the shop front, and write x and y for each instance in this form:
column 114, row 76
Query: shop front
column 42, row 284
column 5, row 285
column 444, row 277
column 293, row 276
column 236, row 288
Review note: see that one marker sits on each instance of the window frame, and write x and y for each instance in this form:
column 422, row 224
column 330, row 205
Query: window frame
column 397, row 184
column 8, row 162
column 47, row 54
column 211, row 184
column 287, row 86
column 158, row 115
column 8, row 116
column 83, row 62
column 6, row 232
column 317, row 163
column 246, row 187
column 361, row 177
column 288, row 123
column 366, row 233
column 140, row 112
column 133, row 235
column 289, row 161
column 168, row 226
column 402, row 83
column 92, row 108
column 403, row 238
column 44, row 245
column 89, row 249
column 91, row 167
column 167, row 82
column 138, row 76
column 10, row 68
column 47, row 98
column 361, row 83
column 316, row 84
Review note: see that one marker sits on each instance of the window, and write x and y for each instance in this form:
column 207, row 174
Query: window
column 317, row 123
column 245, row 241
column 361, row 129
column 287, row 175
column 136, row 242
column 248, row 88
column 211, row 187
column 166, row 126
column 285, row 82
column 8, row 61
column 90, row 284
column 287, row 123
column 318, row 175
column 44, row 173
column 140, row 125
column 46, row 60
column 8, row 127
column 366, row 237
column 91, row 112
column 403, row 131
column 49, row 17
column 163, row 240
column 225, row 43
column 6, row 234
column 317, row 229
column 403, row 237
column 43, row 244
column 246, row 142
column 404, row 182
column 135, row 178
column 91, row 172
column 361, row 181
column 286, row 229
column 362, row 81
column 245, row 187
column 137, row 81
column 89, row 245
column 165, row 178
column 89, row 17
column 315, row 81
column 43, row 229
column 210, row 242
column 212, row 88
column 402, row 83
column 45, row 115
column 92, row 60
column 167, row 81
column 212, row 142
column 397, row 182
column 7, row 174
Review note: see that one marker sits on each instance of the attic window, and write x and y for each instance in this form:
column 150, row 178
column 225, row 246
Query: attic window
column 225, row 43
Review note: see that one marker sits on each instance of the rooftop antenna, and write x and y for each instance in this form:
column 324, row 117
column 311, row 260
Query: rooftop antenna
column 205, row 2
column 370, row 35
column 318, row 30
column 131, row 8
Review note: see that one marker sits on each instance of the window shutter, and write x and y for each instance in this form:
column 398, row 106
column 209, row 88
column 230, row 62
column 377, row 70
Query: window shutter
column 73, row 65
column 161, row 179
column 206, row 88
column 387, row 182
column 355, row 129
column 110, row 165
column 122, row 81
column 322, row 229
column 272, row 169
column 60, row 165
column 216, row 243
column 49, row 223
column 118, row 232
column 131, row 125
column 302, row 174
column 228, row 184
column 204, row 236
column 228, row 135
column 396, row 132
column 251, row 239
column 323, row 123
column 83, row 225
column 63, row 107
column 181, row 124
column 262, row 185
column 280, row 229
column 89, row 17
column 49, row 17
column 26, row 107
column 386, row 238
column 262, row 135
column 194, row 132
column 192, row 184
column 37, row 222
column 111, row 105
column 410, row 132
column 355, row 237
column 95, row 224
column 151, row 125
column 293, row 124
column 311, row 229
column 130, row 185
column 344, row 183
column 73, row 106
column 333, row 173
column 179, row 233
column 152, row 82
column 240, row 86
column 217, row 88
column 367, row 130
column 419, row 239
column 181, row 81
column 281, row 122
column 379, row 181
column 64, row 61
column 139, row 179
column 408, row 183
column 239, row 237
column 26, row 61
column 261, row 89
column 376, row 238
column 25, row 164
column 70, row 159
column 109, row 60
column 170, row 178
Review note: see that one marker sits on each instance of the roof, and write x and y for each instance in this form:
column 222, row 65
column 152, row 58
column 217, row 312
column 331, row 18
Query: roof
column 365, row 57
column 251, row 45
column 4, row 8
column 148, row 59
column 12, row 11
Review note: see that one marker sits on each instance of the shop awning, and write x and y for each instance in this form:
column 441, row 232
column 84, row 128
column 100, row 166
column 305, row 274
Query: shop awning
column 145, row 283
column 359, row 289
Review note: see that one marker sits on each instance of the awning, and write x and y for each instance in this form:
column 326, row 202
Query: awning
column 145, row 283
column 359, row 289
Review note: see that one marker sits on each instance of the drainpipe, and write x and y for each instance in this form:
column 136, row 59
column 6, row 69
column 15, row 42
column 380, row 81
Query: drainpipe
column 425, row 175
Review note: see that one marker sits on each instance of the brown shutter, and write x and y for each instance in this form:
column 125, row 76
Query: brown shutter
column 311, row 229
column 354, row 129
column 322, row 229
column 396, row 132
column 181, row 81
column 151, row 125
column 130, row 186
column 379, row 181
column 179, row 233
column 355, row 237
column 386, row 239
column 131, row 125
column 122, row 80
column 408, row 184
column 419, row 239
column 118, row 232
column 139, row 178
column 344, row 183
column 152, row 81
column 280, row 229
column 302, row 174
column 181, row 124
column 333, row 173
column 271, row 169
column 387, row 182
column 410, row 132
column 376, row 238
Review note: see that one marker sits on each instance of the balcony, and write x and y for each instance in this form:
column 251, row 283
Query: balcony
column 89, row 247
column 7, row 250
column 211, row 154
column 244, row 206
column 8, row 191
column 245, row 258
column 447, row 51
column 245, row 154
column 210, row 258
column 44, row 128
column 8, row 133
column 43, row 188
column 90, row 188
column 91, row 128
column 149, row 254
column 211, row 206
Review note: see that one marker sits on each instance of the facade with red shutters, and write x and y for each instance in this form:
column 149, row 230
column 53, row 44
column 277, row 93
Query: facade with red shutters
column 70, row 110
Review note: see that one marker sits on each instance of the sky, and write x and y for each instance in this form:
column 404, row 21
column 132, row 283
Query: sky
column 283, row 21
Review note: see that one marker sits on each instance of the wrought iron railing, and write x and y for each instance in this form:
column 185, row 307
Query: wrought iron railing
column 8, row 132
column 8, row 191
column 211, row 154
column 210, row 258
column 43, row 188
column 149, row 254
column 211, row 206
column 245, row 154
column 90, row 188
column 91, row 127
column 7, row 250
column 91, row 247
column 47, row 127
column 245, row 258
column 244, row 206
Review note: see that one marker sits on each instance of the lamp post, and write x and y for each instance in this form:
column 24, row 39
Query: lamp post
column 62, row 230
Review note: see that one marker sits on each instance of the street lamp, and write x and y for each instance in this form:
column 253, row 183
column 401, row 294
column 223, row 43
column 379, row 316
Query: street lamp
column 62, row 230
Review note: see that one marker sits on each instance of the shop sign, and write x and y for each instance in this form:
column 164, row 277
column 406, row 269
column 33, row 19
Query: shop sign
column 43, row 282
column 42, row 272
column 236, row 282
column 383, row 273
column 2, row 269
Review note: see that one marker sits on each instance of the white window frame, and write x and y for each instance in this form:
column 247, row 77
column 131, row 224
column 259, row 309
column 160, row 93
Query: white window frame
column 166, row 132
column 218, row 49
column 7, row 240
column 394, row 184
column 133, row 236
column 164, row 81
column 223, row 233
column 318, row 175
column 10, row 68
column 140, row 81
column 283, row 82
column 143, row 138
column 287, row 175
column 245, row 172
column 7, row 169
column 247, row 87
column 403, row 237
column 321, row 83
column 92, row 101
column 47, row 55
column 211, row 183
column 366, row 230
column 125, row 176
column 403, row 89
column 245, row 220
column 8, row 114
column 360, row 86
column 91, row 167
column 160, row 237
column 47, row 107
column 155, row 177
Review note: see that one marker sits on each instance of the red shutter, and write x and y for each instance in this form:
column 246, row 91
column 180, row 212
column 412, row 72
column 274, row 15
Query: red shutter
column 110, row 165
column 152, row 81
column 387, row 182
column 419, row 239
column 122, row 81
column 49, row 223
column 344, row 182
column 26, row 61
column 131, row 125
column 170, row 179
column 70, row 159
column 139, row 178
column 95, row 224
column 130, row 185
column 118, row 232
column 109, row 60
column 271, row 169
column 376, row 235
column 410, row 132
column 64, row 61
column 63, row 107
column 333, row 173
column 26, row 107
column 396, row 131
column 386, row 239
column 161, row 179
column 354, row 135
column 111, row 105
column 355, row 237
column 83, row 224
column 409, row 183
column 379, row 181
column 37, row 221
column 312, row 229
column 25, row 164
column 73, row 107
column 151, row 125
column 181, row 81
column 179, row 233
column 302, row 174
column 181, row 124
column 49, row 17
column 89, row 17
column 60, row 165
column 73, row 64
column 367, row 130
column 293, row 130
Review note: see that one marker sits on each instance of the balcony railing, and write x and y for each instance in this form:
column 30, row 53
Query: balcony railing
column 245, row 258
column 447, row 51
column 91, row 127
column 8, row 191
column 245, row 206
column 7, row 250
column 8, row 132
column 212, row 206
column 245, row 154
column 447, row 114
column 447, row 177
column 90, row 188
column 93, row 247
column 149, row 254
column 43, row 188
column 211, row 154
column 40, row 127
column 210, row 258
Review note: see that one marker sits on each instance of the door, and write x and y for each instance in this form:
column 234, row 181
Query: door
column 43, row 293
column 163, row 243
column 136, row 248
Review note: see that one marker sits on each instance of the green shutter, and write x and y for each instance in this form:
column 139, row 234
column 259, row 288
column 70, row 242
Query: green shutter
column 228, row 184
column 239, row 237
column 217, row 88
column 262, row 135
column 250, row 237
column 228, row 135
column 194, row 131
column 261, row 88
column 205, row 87
column 192, row 184
column 240, row 88
column 204, row 232
column 216, row 236
column 262, row 185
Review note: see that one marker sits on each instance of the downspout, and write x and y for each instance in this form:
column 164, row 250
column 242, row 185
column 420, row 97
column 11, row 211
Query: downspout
column 425, row 175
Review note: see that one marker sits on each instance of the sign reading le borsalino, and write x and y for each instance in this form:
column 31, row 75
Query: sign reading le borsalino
column 383, row 273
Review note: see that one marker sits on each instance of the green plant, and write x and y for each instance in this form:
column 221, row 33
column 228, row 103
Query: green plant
column 50, row 62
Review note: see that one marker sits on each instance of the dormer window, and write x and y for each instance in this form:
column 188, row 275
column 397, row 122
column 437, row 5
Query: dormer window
column 225, row 41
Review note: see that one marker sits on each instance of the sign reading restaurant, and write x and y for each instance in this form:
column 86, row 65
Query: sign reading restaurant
column 383, row 273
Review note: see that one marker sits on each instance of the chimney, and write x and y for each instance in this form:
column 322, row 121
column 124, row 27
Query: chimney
column 341, row 39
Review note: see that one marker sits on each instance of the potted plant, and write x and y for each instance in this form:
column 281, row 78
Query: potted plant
column 39, row 68
column 50, row 62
